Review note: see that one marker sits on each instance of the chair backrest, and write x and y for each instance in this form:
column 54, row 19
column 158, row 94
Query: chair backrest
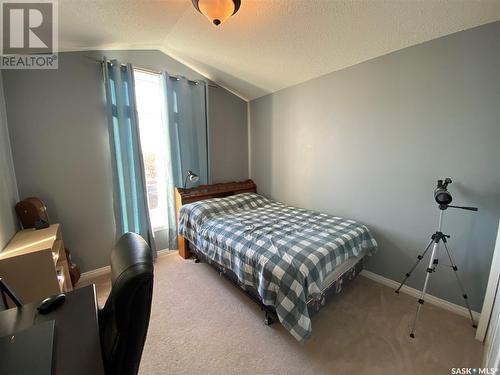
column 124, row 319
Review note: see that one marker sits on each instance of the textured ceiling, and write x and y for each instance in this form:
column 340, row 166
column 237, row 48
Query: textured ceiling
column 269, row 44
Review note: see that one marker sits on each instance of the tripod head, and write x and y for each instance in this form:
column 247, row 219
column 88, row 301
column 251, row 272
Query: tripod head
column 443, row 196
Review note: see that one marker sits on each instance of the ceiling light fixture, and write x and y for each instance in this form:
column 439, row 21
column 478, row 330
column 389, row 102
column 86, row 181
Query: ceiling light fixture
column 217, row 11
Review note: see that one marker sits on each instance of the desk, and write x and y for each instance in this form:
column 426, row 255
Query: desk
column 77, row 348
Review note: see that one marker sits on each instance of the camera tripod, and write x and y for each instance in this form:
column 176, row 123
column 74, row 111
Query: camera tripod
column 436, row 239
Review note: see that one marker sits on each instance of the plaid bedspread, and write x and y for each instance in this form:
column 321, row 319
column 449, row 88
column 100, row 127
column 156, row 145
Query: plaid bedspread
column 283, row 252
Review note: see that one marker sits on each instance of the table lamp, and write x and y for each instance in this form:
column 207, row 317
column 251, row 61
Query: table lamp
column 192, row 177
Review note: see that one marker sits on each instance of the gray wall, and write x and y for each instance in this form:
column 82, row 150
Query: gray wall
column 8, row 187
column 229, row 136
column 369, row 142
column 59, row 136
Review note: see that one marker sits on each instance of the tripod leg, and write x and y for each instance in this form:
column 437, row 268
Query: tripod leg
column 419, row 258
column 424, row 289
column 455, row 269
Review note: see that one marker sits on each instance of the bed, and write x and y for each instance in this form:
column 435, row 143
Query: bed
column 291, row 260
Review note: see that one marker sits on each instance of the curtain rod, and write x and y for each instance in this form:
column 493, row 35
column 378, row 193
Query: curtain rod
column 150, row 71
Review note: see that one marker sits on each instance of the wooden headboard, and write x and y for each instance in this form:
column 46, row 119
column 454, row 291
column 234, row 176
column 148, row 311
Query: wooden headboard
column 202, row 192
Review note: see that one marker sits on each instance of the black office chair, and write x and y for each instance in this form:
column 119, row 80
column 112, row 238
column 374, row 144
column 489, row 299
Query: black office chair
column 124, row 319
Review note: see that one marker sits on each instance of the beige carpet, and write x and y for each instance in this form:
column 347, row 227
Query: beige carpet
column 202, row 324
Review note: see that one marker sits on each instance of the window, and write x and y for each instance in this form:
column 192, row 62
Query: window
column 149, row 98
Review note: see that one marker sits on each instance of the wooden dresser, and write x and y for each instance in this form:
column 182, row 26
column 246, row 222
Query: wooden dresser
column 202, row 192
column 34, row 264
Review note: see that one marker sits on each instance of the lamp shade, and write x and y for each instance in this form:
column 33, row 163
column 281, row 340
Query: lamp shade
column 217, row 11
column 193, row 177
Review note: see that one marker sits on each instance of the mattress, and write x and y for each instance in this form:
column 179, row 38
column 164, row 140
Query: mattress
column 285, row 253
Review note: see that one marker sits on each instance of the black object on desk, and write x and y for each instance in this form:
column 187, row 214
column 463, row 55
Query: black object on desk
column 76, row 348
column 28, row 351
column 51, row 303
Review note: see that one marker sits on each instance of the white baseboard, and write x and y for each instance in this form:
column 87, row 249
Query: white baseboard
column 90, row 275
column 454, row 308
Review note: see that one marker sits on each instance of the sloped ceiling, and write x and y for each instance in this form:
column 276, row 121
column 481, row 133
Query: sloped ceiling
column 269, row 44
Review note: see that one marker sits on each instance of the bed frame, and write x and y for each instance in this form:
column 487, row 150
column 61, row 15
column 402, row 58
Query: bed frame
column 187, row 250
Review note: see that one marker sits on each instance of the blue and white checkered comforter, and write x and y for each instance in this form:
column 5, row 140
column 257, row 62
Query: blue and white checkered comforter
column 282, row 252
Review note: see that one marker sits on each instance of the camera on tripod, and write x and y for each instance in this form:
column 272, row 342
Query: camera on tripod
column 442, row 197
column 441, row 194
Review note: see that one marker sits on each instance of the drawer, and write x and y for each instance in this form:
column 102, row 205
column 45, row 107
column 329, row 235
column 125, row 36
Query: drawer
column 58, row 251
column 60, row 277
column 63, row 276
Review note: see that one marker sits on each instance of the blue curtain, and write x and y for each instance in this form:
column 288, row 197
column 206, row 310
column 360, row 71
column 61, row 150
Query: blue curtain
column 185, row 124
column 130, row 197
column 187, row 128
